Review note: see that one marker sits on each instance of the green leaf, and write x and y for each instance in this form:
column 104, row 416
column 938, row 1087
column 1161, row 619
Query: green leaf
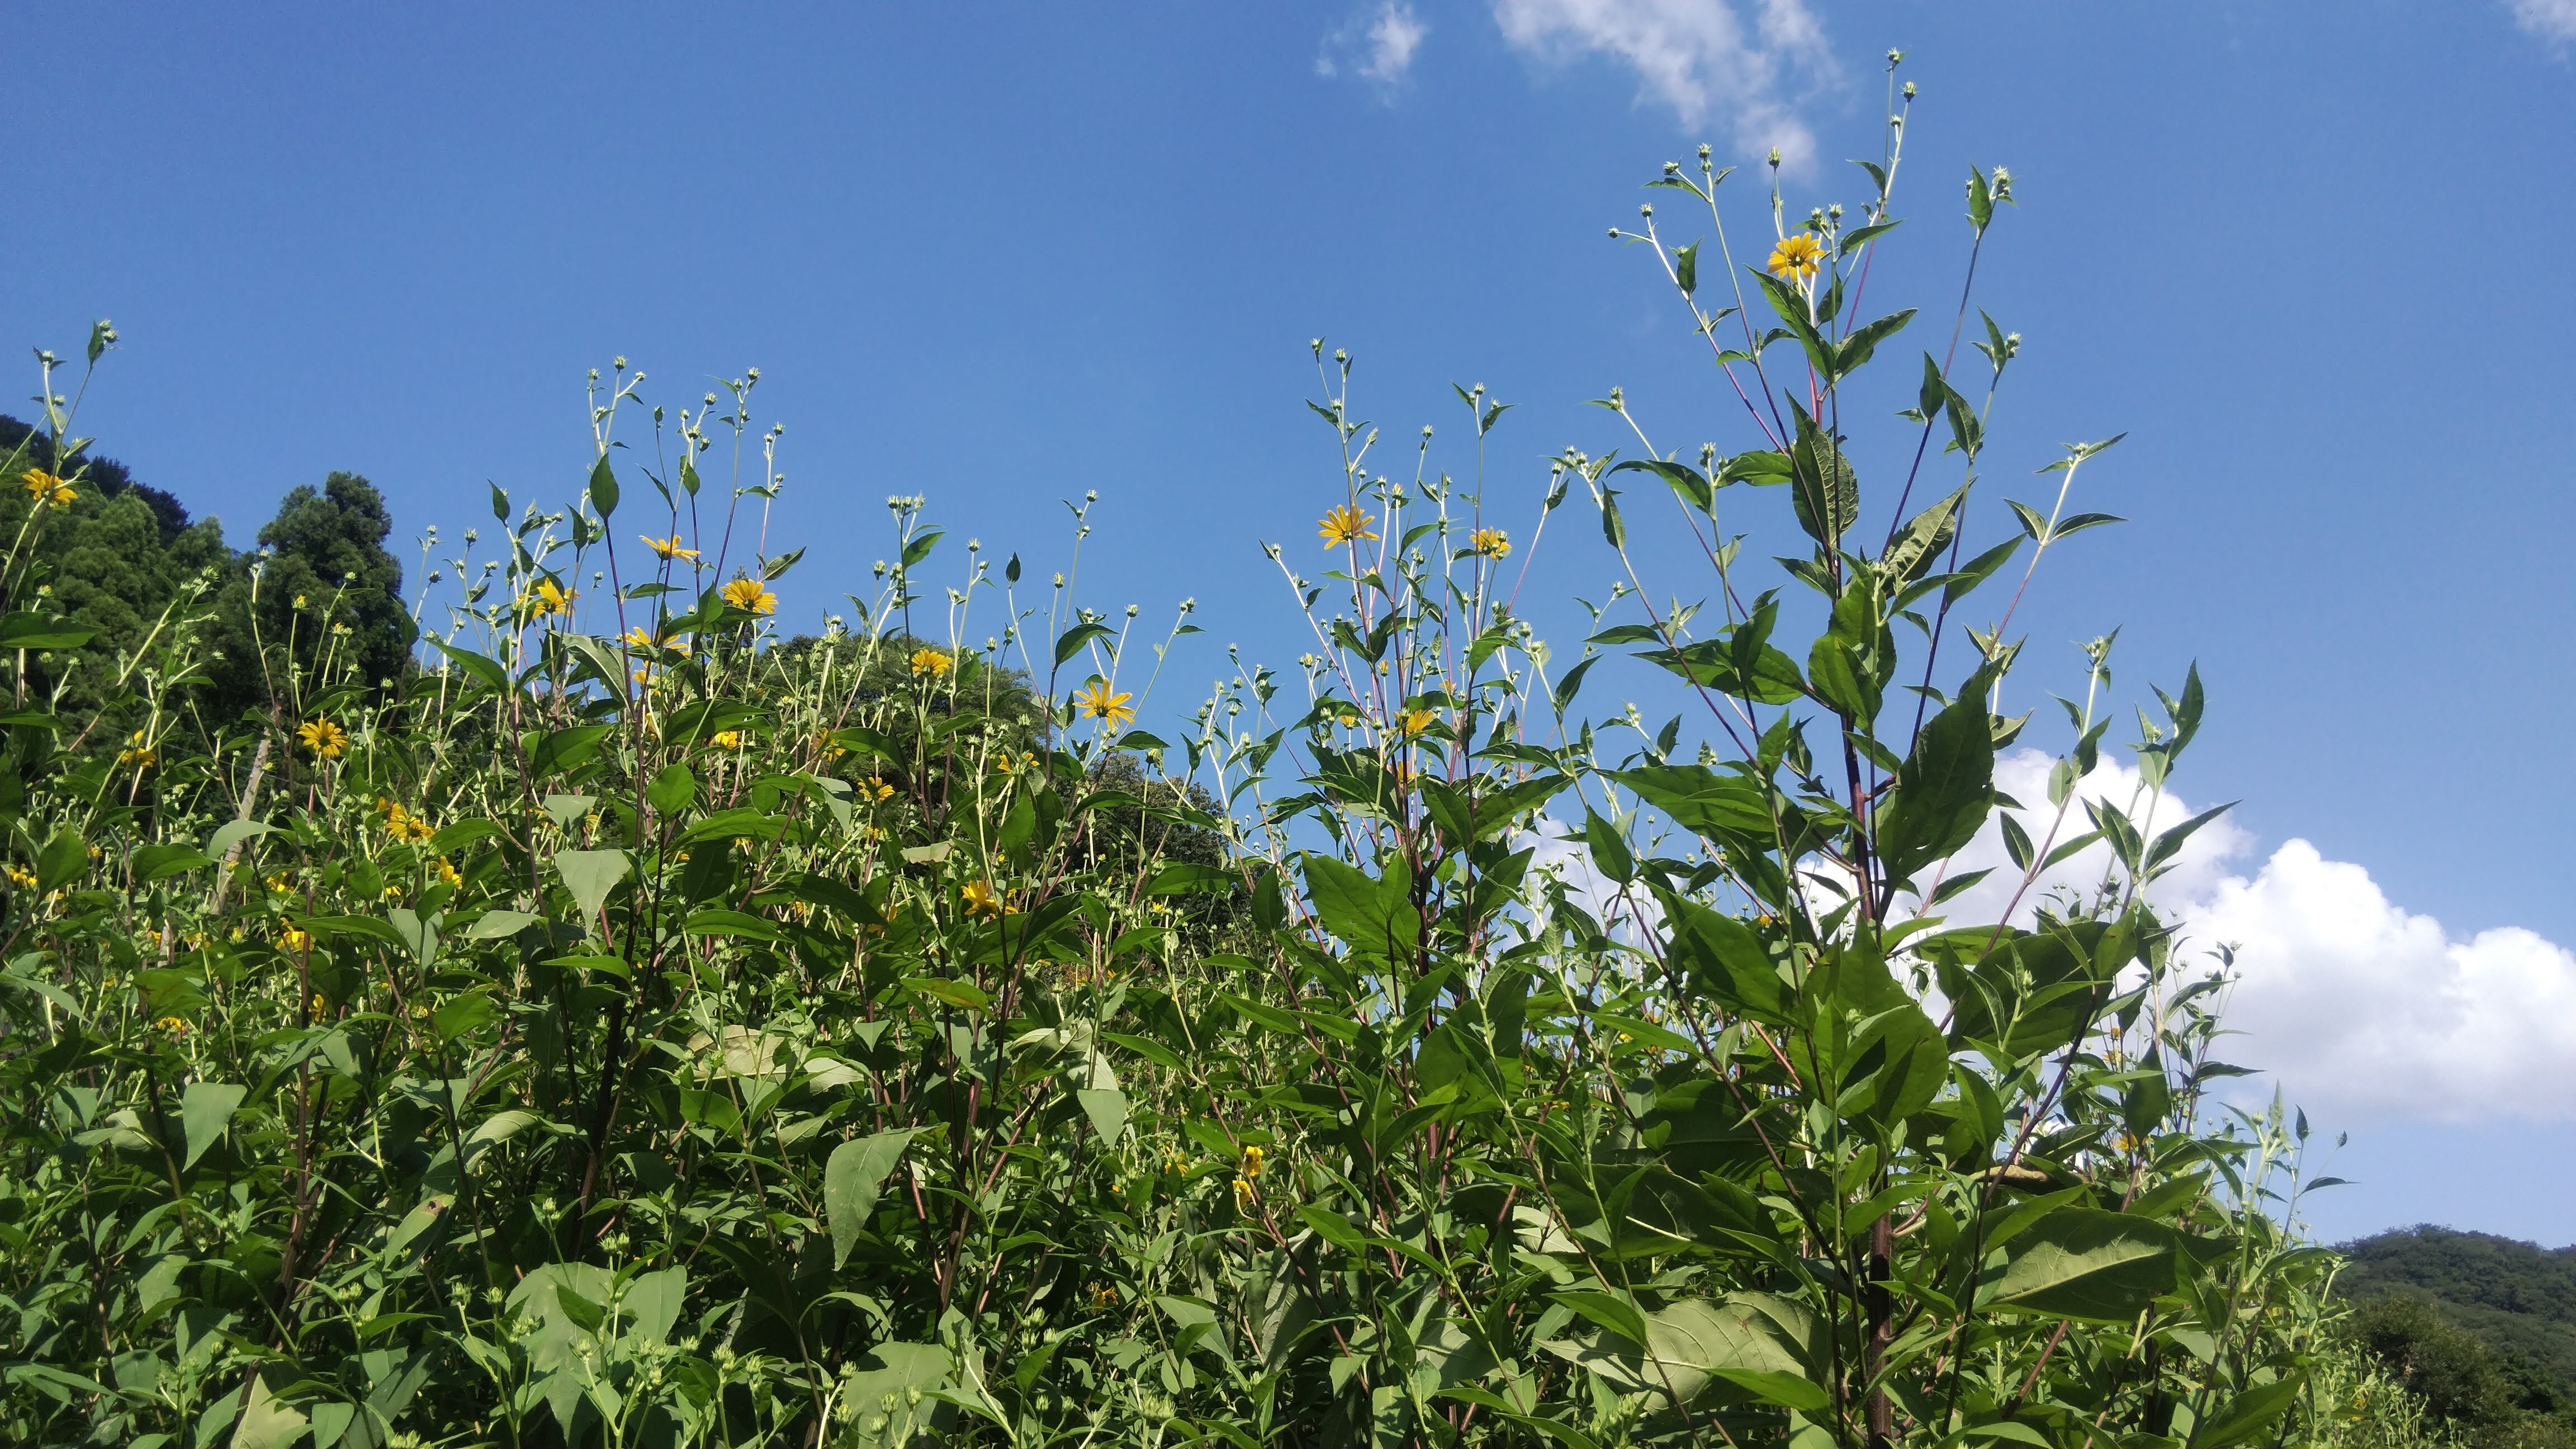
column 499, row 925
column 603, row 487
column 2087, row 1264
column 64, row 859
column 35, row 631
column 157, row 862
column 266, row 1421
column 851, row 1180
column 1687, row 482
column 919, row 549
column 671, row 790
column 1107, row 1109
column 500, row 502
column 1071, row 641
column 489, row 671
column 1686, row 268
column 1943, row 794
column 590, row 875
column 2250, row 1413
column 205, row 1110
column 1372, row 915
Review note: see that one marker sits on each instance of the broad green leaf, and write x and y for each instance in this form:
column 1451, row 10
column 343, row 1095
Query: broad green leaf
column 2086, row 1264
column 1107, row 1109
column 1944, row 791
column 590, row 875
column 851, row 1180
column 2249, row 1415
column 205, row 1110
column 64, row 859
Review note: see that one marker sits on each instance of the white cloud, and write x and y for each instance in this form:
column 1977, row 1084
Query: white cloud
column 2359, row 1008
column 2553, row 20
column 1703, row 58
column 1383, row 41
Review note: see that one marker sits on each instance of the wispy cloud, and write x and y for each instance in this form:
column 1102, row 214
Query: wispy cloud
column 2551, row 20
column 1731, row 62
column 1379, row 45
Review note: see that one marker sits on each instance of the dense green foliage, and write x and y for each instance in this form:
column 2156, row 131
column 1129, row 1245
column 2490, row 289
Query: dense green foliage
column 629, row 1030
column 2482, row 1328
column 121, row 554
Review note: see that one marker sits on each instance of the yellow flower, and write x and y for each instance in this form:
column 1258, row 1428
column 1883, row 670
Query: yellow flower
column 140, row 755
column 1251, row 1162
column 1242, row 1193
column 299, row 601
column 1345, row 524
column 726, row 739
column 172, row 1025
column 669, row 547
column 1490, row 542
column 1404, row 775
column 1103, row 1297
column 320, row 1006
column 878, row 789
column 1797, row 257
column 1176, row 1163
column 293, row 939
column 323, row 738
column 751, row 596
column 447, row 872
column 392, row 893
column 549, row 598
column 1415, row 721
column 44, row 487
column 930, row 661
column 22, row 877
column 277, row 882
column 980, row 899
column 403, row 825
column 1099, row 703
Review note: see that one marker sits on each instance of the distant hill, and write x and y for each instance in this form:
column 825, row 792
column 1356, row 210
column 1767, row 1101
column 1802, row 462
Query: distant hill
column 2516, row 1299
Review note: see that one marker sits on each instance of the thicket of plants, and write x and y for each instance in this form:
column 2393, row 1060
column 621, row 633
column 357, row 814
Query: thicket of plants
column 630, row 1029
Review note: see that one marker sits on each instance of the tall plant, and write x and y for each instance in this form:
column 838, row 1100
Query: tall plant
column 629, row 1031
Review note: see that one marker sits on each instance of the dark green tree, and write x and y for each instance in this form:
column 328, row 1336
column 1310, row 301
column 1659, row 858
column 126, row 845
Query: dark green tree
column 111, row 561
column 322, row 569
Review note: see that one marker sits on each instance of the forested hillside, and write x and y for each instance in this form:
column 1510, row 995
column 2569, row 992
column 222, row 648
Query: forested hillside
column 121, row 553
column 2483, row 1327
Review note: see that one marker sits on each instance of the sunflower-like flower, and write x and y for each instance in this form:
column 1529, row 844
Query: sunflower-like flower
column 1797, row 257
column 323, row 738
column 1100, row 704
column 668, row 547
column 726, row 739
column 138, row 754
column 1415, row 721
column 172, row 1025
column 877, row 789
column 980, row 898
column 1345, row 524
column 447, row 872
column 1490, row 543
column 548, row 597
column 44, row 487
column 751, row 596
column 402, row 824
column 294, row 939
column 22, row 878
column 1251, row 1166
column 933, row 662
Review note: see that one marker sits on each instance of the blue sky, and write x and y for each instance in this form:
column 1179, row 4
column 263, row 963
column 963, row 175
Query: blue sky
column 2307, row 255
